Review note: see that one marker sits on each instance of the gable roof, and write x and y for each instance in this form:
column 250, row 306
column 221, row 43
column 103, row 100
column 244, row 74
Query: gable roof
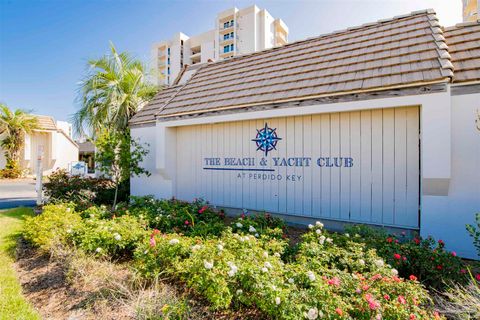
column 404, row 51
column 46, row 123
column 147, row 114
column 463, row 42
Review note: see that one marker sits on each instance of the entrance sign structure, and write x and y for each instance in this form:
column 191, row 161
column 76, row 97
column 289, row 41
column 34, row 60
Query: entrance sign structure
column 374, row 124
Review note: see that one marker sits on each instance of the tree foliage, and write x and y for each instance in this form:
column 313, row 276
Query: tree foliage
column 14, row 125
column 113, row 90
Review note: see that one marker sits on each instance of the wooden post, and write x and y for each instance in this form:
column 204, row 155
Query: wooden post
column 39, row 185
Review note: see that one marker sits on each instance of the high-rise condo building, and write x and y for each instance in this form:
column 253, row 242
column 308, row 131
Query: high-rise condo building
column 236, row 32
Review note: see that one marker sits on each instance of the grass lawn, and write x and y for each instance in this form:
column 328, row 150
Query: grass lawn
column 12, row 303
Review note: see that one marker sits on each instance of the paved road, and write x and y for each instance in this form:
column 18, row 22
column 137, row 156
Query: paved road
column 17, row 193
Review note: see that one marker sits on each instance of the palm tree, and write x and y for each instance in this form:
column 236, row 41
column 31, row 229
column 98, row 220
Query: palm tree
column 114, row 89
column 14, row 125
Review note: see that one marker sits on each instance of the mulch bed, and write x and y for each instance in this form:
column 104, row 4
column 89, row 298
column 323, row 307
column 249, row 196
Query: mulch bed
column 46, row 287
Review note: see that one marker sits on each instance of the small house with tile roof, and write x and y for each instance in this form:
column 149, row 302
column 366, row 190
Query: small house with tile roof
column 377, row 124
column 51, row 139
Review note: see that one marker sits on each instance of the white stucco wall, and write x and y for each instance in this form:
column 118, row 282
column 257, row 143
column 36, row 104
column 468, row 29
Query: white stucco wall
column 155, row 184
column 445, row 217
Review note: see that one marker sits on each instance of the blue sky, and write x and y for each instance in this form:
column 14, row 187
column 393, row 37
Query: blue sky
column 44, row 45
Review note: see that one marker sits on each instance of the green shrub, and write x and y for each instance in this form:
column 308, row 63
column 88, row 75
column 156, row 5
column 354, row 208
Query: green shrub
column 195, row 219
column 83, row 191
column 426, row 259
column 325, row 280
column 115, row 238
column 474, row 232
column 53, row 225
column 259, row 224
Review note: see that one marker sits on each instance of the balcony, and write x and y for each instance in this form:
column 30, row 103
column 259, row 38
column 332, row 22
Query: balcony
column 226, row 41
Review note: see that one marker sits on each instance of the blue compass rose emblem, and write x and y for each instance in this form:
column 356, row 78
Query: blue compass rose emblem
column 266, row 139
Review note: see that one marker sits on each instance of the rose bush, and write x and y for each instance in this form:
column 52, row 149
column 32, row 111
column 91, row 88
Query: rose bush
column 115, row 237
column 426, row 259
column 326, row 279
column 195, row 219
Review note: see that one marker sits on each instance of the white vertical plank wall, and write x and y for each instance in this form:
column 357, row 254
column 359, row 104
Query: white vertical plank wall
column 382, row 186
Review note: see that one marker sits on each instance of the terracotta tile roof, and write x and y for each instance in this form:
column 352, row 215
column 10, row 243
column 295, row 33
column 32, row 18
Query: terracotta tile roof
column 147, row 114
column 464, row 46
column 46, row 123
column 404, row 51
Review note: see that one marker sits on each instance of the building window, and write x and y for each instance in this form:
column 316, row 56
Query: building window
column 225, row 25
column 226, row 49
column 168, row 70
column 168, row 50
column 168, row 60
column 225, row 36
column 231, row 47
column 231, row 35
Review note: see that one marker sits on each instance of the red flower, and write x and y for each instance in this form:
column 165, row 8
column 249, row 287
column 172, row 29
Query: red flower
column 153, row 243
column 413, row 278
column 155, row 231
column 463, row 271
column 402, row 300
column 389, row 239
column 202, row 209
column 441, row 243
column 365, row 287
column 334, row 282
column 386, row 297
column 477, row 277
column 396, row 241
column 397, row 256
column 454, row 253
column 412, row 317
column 416, row 240
column 404, row 258
column 439, row 267
column 339, row 311
column 187, row 223
column 242, row 215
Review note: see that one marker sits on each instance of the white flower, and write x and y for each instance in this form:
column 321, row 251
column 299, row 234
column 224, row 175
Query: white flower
column 257, row 235
column 277, row 301
column 265, row 270
column 291, row 281
column 196, row 247
column 322, row 239
column 239, row 225
column 265, row 254
column 69, row 230
column 395, row 272
column 311, row 275
column 117, row 237
column 379, row 263
column 68, row 210
column 318, row 231
column 319, row 224
column 329, row 240
column 347, row 235
column 219, row 247
column 174, row 241
column 362, row 262
column 276, row 254
column 92, row 216
column 312, row 314
column 357, row 235
column 98, row 250
column 310, row 226
column 232, row 271
column 268, row 265
column 208, row 265
column 239, row 291
column 145, row 252
column 252, row 229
